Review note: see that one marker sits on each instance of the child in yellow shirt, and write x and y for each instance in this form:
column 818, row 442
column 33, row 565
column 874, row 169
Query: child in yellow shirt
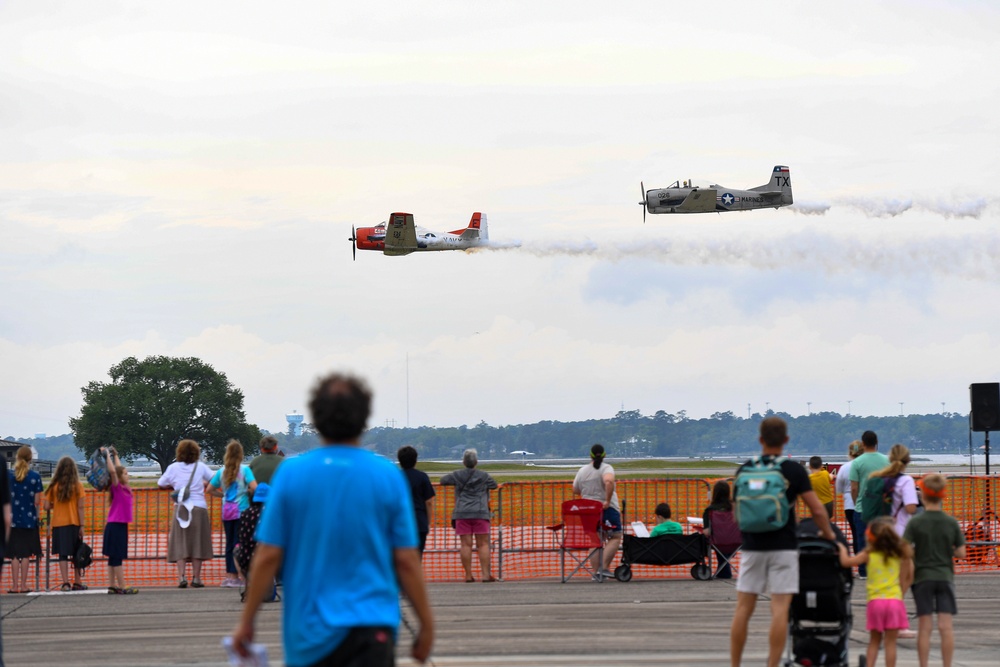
column 820, row 480
column 890, row 574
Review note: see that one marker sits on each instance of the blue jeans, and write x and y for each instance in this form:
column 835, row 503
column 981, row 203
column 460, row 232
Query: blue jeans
column 232, row 529
column 859, row 540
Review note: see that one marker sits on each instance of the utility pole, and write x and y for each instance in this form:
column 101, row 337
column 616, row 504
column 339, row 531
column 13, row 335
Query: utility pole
column 748, row 411
column 809, row 407
column 900, row 408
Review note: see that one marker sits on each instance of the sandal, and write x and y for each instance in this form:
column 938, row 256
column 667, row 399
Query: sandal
column 65, row 587
column 128, row 591
column 13, row 592
column 490, row 580
column 470, row 580
column 183, row 583
column 114, row 590
column 77, row 586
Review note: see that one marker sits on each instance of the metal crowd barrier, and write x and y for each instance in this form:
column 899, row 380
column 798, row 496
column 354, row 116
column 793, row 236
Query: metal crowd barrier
column 522, row 548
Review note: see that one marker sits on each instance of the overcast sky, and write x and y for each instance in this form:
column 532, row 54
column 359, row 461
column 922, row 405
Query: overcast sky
column 182, row 178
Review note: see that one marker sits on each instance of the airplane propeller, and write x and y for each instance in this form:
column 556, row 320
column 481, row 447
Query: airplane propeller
column 354, row 245
column 643, row 202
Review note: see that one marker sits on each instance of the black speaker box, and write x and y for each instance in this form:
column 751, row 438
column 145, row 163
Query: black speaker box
column 985, row 400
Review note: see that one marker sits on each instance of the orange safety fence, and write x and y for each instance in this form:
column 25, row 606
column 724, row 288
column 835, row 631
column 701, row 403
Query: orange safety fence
column 522, row 547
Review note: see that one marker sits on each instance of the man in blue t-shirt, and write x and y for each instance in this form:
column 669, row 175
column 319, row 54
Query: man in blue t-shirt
column 339, row 525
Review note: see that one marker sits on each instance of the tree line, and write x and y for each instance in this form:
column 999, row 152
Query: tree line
column 149, row 405
column 631, row 434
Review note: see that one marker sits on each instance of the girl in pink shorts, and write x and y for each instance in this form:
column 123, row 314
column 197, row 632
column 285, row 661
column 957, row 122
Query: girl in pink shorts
column 890, row 573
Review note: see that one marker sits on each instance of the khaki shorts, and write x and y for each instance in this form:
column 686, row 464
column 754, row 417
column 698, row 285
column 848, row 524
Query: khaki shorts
column 773, row 572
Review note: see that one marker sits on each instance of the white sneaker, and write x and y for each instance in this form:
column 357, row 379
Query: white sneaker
column 607, row 574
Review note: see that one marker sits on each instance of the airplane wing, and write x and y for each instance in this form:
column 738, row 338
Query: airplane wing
column 401, row 235
column 699, row 201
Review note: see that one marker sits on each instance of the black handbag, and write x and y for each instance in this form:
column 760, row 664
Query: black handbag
column 83, row 556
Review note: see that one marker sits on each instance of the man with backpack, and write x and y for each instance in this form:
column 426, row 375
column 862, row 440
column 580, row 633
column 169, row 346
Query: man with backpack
column 861, row 468
column 764, row 497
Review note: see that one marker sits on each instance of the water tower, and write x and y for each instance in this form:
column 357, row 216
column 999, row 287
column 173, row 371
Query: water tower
column 295, row 423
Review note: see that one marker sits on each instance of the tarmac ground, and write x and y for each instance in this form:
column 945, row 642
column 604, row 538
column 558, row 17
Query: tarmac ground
column 520, row 623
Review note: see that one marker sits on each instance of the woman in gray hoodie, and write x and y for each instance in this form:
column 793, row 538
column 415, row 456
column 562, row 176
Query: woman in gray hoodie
column 471, row 516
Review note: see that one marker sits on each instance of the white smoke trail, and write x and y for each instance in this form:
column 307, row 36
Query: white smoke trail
column 810, row 208
column 891, row 208
column 975, row 257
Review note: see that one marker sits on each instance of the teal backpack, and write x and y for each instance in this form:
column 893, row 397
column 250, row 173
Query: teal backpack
column 876, row 497
column 760, row 499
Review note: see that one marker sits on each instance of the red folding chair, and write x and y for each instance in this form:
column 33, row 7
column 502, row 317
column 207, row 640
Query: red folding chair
column 724, row 538
column 581, row 522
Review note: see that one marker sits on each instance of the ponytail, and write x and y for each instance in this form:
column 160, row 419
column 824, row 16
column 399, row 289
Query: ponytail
column 597, row 455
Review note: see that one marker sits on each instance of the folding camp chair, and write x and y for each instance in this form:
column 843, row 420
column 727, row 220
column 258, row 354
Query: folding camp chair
column 580, row 523
column 724, row 538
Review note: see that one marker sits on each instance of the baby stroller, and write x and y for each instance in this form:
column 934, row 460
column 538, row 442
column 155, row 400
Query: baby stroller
column 247, row 541
column 820, row 617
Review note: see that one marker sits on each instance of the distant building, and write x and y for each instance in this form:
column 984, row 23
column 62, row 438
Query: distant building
column 295, row 423
column 8, row 450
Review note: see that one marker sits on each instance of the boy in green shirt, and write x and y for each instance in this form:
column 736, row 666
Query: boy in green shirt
column 664, row 526
column 937, row 540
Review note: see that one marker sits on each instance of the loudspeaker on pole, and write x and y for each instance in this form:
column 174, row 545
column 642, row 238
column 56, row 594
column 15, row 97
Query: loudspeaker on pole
column 985, row 401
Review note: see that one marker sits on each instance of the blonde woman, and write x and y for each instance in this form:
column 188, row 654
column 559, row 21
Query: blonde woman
column 190, row 538
column 235, row 484
column 904, row 491
column 26, row 498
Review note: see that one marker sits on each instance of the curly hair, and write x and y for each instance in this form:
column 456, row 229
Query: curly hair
column 884, row 539
column 188, row 451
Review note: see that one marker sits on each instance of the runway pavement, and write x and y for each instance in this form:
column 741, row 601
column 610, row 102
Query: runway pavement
column 518, row 624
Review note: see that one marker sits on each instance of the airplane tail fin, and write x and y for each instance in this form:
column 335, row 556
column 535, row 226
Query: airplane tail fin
column 781, row 179
column 477, row 228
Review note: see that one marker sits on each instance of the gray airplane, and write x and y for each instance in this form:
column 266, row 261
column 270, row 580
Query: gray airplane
column 687, row 198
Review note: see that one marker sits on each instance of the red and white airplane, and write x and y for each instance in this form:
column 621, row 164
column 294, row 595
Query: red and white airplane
column 399, row 236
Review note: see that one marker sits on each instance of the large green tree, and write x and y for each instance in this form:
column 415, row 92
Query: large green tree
column 150, row 405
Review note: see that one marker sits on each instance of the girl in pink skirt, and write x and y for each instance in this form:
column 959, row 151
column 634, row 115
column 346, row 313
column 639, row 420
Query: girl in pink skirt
column 890, row 573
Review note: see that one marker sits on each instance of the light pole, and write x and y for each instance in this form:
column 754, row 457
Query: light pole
column 849, row 408
column 767, row 407
column 900, row 408
column 809, row 407
column 942, row 407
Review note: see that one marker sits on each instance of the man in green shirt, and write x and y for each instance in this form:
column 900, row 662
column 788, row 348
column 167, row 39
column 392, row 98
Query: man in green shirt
column 861, row 468
column 263, row 466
